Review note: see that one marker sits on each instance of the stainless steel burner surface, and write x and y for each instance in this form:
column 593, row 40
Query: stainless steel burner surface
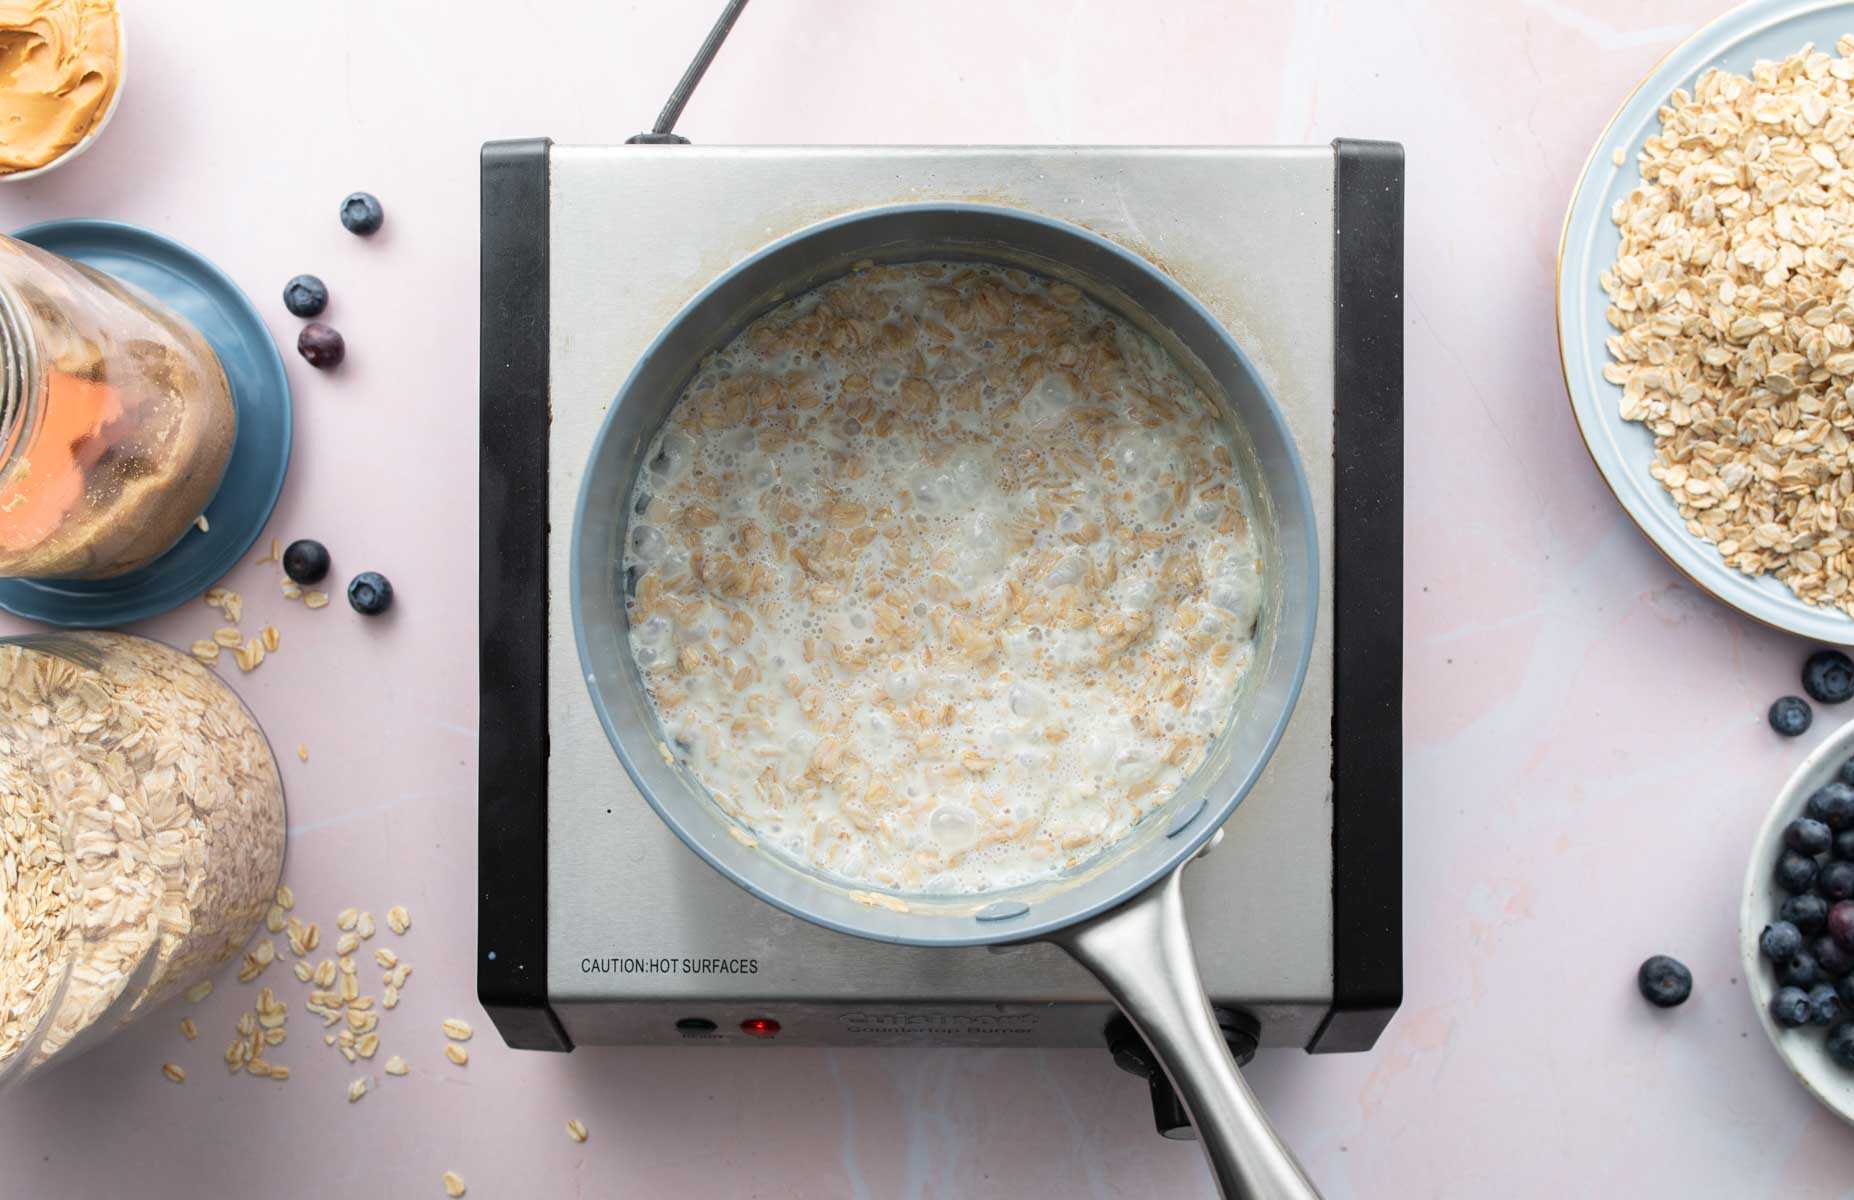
column 641, row 934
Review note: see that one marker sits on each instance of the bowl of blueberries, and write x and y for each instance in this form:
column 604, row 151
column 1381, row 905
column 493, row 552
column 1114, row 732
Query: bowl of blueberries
column 1796, row 924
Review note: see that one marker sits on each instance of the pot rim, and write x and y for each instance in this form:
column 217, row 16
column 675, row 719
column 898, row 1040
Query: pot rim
column 1187, row 830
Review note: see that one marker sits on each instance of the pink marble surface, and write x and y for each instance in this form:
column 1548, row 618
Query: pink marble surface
column 1585, row 759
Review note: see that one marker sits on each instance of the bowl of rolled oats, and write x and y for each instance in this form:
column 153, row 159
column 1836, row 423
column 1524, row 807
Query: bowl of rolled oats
column 1705, row 303
column 141, row 836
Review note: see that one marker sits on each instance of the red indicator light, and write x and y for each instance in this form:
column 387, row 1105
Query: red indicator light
column 762, row 1027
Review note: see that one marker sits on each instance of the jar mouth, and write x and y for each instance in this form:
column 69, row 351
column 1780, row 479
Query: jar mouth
column 18, row 371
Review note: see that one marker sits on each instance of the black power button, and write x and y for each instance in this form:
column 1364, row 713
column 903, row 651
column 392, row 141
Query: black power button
column 696, row 1025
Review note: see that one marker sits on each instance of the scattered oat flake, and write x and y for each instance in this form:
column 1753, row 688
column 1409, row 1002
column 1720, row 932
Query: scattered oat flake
column 303, row 971
column 1619, row 156
column 456, row 1054
column 396, row 1066
column 188, row 1029
column 302, row 751
column 386, row 958
column 357, row 1089
column 454, row 1185
column 285, row 896
column 274, row 920
column 205, row 651
column 272, row 637
column 173, row 1072
column 315, row 600
column 347, row 943
column 291, row 591
column 279, row 1073
column 347, row 918
column 398, row 919
column 457, row 1030
column 202, row 524
column 577, row 1131
column 199, row 991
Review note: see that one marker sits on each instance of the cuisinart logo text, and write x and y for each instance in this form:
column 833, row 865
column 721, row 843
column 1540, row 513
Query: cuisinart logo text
column 929, row 1023
column 669, row 966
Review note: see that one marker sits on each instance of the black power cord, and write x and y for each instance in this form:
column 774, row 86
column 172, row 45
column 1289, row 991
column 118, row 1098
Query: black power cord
column 661, row 133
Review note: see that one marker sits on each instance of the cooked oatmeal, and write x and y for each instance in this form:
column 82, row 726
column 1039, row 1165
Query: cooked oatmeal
column 941, row 577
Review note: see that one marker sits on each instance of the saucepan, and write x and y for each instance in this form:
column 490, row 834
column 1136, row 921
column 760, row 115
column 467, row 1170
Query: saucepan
column 1120, row 915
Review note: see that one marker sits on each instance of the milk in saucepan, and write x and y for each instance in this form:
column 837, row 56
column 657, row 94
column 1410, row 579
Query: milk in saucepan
column 942, row 577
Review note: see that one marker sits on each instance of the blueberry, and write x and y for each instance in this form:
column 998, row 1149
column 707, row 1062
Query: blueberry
column 1779, row 940
column 1828, row 676
column 1841, row 1043
column 1840, row 924
column 1664, row 981
column 1807, row 912
column 1790, row 1007
column 305, row 296
column 361, row 213
column 306, row 561
column 1795, row 872
column 1832, row 804
column 1799, row 970
column 1835, row 880
column 1845, row 988
column 1830, row 959
column 1806, row 835
column 1844, row 844
column 321, row 345
column 1790, row 716
column 370, row 593
column 1824, row 1004
column 1847, row 772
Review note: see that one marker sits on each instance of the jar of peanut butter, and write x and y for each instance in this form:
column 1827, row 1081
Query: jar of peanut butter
column 116, row 421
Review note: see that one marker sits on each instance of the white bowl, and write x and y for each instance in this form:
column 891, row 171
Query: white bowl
column 1804, row 1051
column 1623, row 450
column 109, row 110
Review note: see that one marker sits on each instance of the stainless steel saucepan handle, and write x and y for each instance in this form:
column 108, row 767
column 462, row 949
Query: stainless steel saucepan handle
column 1141, row 951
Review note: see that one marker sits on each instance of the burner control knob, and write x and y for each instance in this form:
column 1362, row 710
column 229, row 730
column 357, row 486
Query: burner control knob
column 1132, row 1055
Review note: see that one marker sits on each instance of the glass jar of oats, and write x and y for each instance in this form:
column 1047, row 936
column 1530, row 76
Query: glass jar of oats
column 141, row 836
column 116, row 421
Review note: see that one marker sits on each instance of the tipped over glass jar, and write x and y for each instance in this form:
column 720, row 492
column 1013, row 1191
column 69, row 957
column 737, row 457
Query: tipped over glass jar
column 116, row 421
column 141, row 836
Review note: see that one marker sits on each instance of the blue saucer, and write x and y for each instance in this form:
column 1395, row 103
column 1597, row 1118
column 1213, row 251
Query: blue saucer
column 200, row 292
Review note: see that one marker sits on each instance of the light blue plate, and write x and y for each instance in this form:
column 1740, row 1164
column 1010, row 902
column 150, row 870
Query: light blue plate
column 1763, row 29
column 200, row 292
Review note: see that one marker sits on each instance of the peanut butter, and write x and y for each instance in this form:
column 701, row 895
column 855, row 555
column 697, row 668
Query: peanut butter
column 60, row 63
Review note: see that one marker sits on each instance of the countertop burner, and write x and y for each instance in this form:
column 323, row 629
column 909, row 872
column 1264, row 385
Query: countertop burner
column 597, row 926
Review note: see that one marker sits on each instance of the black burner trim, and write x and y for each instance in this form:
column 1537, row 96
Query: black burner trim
column 511, row 906
column 1367, row 595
